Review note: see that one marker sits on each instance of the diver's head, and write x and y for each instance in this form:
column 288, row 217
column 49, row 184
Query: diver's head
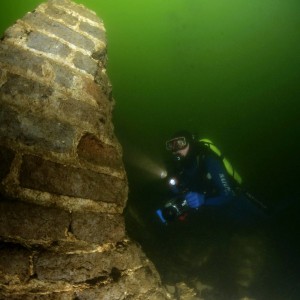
column 180, row 143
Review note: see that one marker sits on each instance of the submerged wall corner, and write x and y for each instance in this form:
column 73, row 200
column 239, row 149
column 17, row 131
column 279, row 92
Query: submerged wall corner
column 63, row 186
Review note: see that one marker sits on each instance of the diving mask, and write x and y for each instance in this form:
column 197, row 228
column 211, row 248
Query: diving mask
column 176, row 144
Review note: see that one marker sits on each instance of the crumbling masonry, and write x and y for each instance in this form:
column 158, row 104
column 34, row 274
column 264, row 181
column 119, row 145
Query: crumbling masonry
column 62, row 181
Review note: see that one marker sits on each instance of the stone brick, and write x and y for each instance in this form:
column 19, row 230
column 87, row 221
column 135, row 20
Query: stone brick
column 44, row 43
column 37, row 173
column 143, row 281
column 12, row 55
column 86, row 63
column 101, row 55
column 17, row 86
column 82, row 267
column 60, row 30
column 96, row 32
column 109, row 291
column 27, row 60
column 29, row 129
column 6, row 158
column 32, row 222
column 96, row 152
column 64, row 75
column 3, row 77
column 81, row 10
column 14, row 260
column 36, row 295
column 60, row 14
column 17, row 31
column 93, row 89
column 102, row 79
column 10, row 126
column 80, row 112
column 85, row 226
column 141, row 284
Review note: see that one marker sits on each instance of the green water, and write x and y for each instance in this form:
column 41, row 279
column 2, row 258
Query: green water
column 228, row 70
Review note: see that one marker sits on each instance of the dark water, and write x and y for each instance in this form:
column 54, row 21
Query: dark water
column 228, row 70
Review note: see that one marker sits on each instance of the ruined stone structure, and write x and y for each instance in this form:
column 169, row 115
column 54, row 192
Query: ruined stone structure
column 62, row 181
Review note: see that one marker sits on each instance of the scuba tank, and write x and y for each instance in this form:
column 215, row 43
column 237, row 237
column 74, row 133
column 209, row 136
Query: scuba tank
column 230, row 170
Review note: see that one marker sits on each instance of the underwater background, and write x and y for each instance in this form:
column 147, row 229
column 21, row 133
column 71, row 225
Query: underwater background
column 227, row 70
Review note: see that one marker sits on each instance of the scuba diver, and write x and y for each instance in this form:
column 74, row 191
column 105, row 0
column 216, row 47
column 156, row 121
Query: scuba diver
column 217, row 230
column 202, row 178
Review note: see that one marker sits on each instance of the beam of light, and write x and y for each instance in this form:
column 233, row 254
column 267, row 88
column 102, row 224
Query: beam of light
column 135, row 157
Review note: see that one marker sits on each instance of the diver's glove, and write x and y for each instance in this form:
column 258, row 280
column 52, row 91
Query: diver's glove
column 194, row 200
column 161, row 217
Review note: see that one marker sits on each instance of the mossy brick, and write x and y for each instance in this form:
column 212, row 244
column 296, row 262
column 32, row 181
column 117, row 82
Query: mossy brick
column 101, row 56
column 95, row 91
column 47, row 44
column 83, row 266
column 32, row 130
column 3, row 75
column 14, row 260
column 94, row 31
column 149, row 279
column 10, row 126
column 91, row 149
column 85, row 62
column 85, row 226
column 102, row 80
column 32, row 222
column 37, row 173
column 14, row 56
column 64, row 75
column 28, row 60
column 60, row 14
column 6, row 157
column 60, row 30
column 79, row 9
column 17, row 86
column 57, row 266
column 42, row 292
column 80, row 112
column 138, row 282
column 17, row 31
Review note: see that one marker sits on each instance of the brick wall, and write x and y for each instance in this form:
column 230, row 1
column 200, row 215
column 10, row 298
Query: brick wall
column 63, row 184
